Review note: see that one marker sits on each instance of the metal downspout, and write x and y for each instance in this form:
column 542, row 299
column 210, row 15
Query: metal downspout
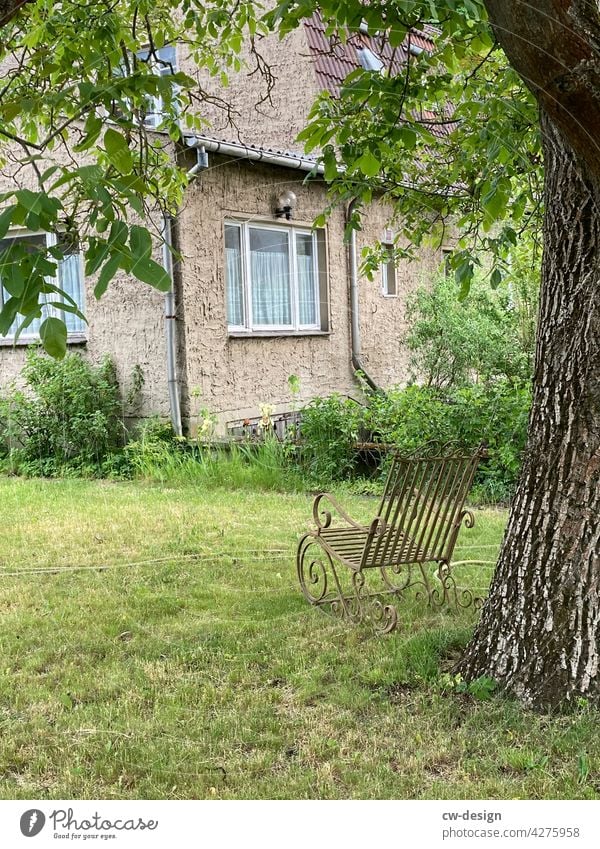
column 171, row 329
column 357, row 364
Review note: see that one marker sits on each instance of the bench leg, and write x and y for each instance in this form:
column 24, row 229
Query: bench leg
column 321, row 586
column 450, row 593
column 433, row 583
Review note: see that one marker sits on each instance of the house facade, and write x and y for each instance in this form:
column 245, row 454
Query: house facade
column 258, row 293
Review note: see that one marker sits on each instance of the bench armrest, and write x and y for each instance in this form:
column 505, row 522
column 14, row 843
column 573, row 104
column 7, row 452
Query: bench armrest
column 322, row 516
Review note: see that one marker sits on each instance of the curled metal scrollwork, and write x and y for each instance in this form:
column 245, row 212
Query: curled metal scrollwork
column 384, row 616
column 312, row 570
column 323, row 517
column 467, row 518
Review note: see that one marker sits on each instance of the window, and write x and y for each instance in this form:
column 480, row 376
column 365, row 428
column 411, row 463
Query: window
column 446, row 254
column 388, row 273
column 163, row 63
column 272, row 278
column 70, row 280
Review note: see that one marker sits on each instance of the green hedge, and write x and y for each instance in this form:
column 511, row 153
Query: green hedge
column 409, row 418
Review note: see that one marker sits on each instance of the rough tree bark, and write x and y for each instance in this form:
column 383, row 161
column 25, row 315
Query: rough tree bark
column 539, row 630
column 9, row 8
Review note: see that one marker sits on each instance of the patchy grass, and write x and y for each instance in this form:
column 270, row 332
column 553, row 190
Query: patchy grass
column 171, row 676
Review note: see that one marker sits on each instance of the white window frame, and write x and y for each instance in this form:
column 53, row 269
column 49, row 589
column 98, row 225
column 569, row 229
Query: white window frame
column 384, row 274
column 28, row 336
column 291, row 232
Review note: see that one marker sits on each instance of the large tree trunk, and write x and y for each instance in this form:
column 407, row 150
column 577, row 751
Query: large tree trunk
column 9, row 8
column 539, row 630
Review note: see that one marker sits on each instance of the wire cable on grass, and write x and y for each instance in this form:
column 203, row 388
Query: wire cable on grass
column 253, row 555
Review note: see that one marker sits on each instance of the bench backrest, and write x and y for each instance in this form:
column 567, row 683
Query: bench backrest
column 422, row 507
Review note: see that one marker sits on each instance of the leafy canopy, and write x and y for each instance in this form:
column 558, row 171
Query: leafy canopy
column 75, row 82
column 452, row 142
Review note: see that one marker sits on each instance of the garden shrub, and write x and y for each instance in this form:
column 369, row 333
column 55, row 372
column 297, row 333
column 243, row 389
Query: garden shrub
column 409, row 418
column 67, row 419
column 488, row 336
column 329, row 431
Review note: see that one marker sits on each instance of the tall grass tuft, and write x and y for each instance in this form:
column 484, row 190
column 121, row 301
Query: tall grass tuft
column 261, row 466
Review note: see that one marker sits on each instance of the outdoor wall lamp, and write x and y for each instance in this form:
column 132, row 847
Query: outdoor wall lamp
column 286, row 203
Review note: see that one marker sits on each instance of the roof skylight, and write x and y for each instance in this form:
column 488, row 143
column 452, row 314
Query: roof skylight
column 369, row 60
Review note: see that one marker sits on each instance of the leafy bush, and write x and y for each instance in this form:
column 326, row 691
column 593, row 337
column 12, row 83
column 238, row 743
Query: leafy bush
column 329, row 430
column 66, row 420
column 409, row 418
column 476, row 359
column 488, row 336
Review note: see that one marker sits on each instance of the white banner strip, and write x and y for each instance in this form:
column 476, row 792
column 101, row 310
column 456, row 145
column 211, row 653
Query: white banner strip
column 302, row 824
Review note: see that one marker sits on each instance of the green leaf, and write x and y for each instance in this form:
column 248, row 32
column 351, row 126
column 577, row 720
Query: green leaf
column 408, row 137
column 95, row 256
column 93, row 128
column 8, row 314
column 140, row 242
column 368, row 164
column 149, row 271
column 464, row 275
column 495, row 278
column 6, row 220
column 118, row 151
column 53, row 334
column 29, row 200
column 118, row 233
column 11, row 110
column 106, row 275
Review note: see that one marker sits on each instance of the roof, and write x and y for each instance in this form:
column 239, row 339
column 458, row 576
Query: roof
column 333, row 61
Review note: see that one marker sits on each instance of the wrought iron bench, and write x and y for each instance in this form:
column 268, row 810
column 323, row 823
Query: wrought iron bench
column 416, row 525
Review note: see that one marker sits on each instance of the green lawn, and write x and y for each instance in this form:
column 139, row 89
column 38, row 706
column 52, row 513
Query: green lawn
column 172, row 676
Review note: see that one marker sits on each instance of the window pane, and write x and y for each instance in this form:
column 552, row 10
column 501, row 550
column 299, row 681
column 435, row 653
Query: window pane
column 233, row 276
column 270, row 278
column 69, row 278
column 162, row 63
column 307, row 288
column 31, row 243
column 166, row 60
column 70, row 281
column 389, row 272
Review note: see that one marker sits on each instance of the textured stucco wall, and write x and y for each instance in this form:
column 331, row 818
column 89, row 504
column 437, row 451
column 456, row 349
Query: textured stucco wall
column 269, row 123
column 383, row 323
column 235, row 375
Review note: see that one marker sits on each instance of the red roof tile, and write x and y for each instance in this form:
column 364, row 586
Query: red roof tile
column 333, row 61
